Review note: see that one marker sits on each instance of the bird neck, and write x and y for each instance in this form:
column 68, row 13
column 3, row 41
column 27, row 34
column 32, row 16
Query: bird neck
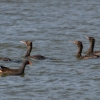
column 28, row 51
column 21, row 69
column 91, row 48
column 78, row 55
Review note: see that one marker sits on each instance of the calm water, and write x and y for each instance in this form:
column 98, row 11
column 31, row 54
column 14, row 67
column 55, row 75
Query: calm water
column 50, row 25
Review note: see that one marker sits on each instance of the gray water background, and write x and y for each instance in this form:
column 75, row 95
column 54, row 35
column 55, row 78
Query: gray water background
column 50, row 25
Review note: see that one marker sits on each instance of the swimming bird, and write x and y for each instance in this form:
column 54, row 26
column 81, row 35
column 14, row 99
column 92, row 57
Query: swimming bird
column 29, row 49
column 91, row 48
column 20, row 71
column 80, row 48
column 5, row 59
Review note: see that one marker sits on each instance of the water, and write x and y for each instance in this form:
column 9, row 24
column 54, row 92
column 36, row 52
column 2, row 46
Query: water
column 50, row 25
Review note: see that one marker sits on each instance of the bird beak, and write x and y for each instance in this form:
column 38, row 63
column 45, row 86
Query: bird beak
column 22, row 42
column 87, row 37
column 74, row 42
column 30, row 63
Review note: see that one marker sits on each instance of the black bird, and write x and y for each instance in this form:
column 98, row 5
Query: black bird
column 91, row 48
column 29, row 46
column 20, row 71
column 5, row 59
column 80, row 48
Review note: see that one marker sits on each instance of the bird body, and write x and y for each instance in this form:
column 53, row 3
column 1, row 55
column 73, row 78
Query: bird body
column 29, row 46
column 20, row 71
column 80, row 48
column 5, row 59
column 91, row 48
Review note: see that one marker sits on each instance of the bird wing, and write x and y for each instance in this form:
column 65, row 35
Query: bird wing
column 4, row 69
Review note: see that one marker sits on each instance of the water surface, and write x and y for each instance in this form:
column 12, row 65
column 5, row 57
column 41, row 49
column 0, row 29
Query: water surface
column 50, row 25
